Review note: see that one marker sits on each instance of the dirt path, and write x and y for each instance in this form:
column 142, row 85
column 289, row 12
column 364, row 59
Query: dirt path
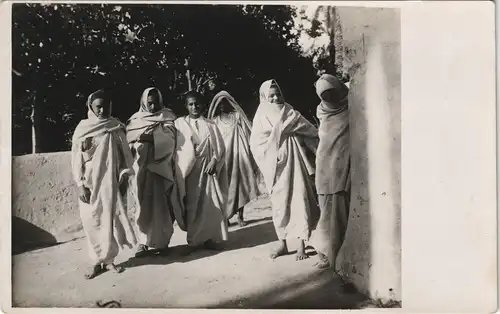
column 242, row 276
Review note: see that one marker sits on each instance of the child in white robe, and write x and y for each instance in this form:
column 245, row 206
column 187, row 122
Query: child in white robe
column 202, row 180
column 283, row 144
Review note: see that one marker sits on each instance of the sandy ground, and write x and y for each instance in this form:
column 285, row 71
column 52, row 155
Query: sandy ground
column 242, row 276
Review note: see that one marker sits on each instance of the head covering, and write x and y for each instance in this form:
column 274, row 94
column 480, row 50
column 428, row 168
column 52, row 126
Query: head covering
column 272, row 111
column 93, row 125
column 221, row 96
column 264, row 90
column 144, row 99
column 328, row 82
column 102, row 94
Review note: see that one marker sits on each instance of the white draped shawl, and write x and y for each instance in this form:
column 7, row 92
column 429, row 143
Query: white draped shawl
column 241, row 168
column 102, row 168
column 203, row 196
column 282, row 142
column 154, row 164
column 333, row 156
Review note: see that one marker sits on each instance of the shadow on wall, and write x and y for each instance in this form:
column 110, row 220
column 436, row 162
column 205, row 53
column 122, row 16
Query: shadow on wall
column 23, row 233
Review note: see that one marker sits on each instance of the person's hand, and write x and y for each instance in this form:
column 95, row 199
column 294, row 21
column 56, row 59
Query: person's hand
column 210, row 169
column 84, row 194
column 87, row 144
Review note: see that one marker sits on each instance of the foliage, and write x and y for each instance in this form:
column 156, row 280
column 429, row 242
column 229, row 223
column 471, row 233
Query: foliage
column 63, row 52
column 320, row 33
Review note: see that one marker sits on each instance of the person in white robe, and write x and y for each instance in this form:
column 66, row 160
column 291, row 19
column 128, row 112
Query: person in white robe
column 283, row 144
column 101, row 166
column 152, row 135
column 202, row 178
column 333, row 169
column 241, row 168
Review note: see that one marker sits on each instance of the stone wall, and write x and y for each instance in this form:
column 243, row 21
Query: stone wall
column 371, row 255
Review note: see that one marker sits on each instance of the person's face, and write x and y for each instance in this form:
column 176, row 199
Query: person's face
column 153, row 102
column 224, row 106
column 194, row 107
column 331, row 96
column 274, row 96
column 212, row 85
column 101, row 108
column 328, row 95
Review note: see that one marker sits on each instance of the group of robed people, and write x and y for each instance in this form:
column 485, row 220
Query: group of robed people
column 201, row 171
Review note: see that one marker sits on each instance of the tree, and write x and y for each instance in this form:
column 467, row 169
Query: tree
column 66, row 51
column 321, row 34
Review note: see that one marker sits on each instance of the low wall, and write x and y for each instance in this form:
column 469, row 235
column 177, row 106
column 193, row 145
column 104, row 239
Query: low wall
column 44, row 200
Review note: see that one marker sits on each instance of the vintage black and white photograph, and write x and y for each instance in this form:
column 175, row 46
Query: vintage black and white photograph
column 221, row 156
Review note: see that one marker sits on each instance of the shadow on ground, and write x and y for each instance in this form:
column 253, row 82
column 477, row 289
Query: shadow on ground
column 257, row 232
column 319, row 290
column 23, row 233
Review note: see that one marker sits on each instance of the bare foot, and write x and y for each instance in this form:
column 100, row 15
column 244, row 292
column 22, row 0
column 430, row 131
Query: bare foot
column 281, row 250
column 322, row 262
column 242, row 223
column 113, row 268
column 301, row 252
column 93, row 271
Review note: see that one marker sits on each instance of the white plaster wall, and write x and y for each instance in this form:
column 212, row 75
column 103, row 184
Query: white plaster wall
column 44, row 195
column 371, row 255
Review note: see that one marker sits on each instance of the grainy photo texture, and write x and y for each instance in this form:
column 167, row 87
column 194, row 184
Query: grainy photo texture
column 206, row 156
